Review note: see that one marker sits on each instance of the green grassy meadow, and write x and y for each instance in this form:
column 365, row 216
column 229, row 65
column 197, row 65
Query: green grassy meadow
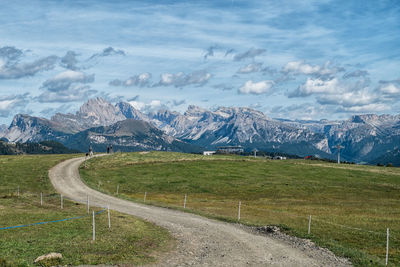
column 351, row 205
column 129, row 241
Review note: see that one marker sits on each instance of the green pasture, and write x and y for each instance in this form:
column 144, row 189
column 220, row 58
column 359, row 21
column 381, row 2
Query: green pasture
column 351, row 206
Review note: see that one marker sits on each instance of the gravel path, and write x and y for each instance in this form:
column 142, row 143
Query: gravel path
column 200, row 241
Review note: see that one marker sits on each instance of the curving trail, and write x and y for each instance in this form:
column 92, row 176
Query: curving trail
column 201, row 241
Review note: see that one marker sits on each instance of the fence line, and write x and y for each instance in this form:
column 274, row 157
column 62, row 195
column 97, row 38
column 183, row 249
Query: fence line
column 40, row 223
column 233, row 204
column 244, row 206
column 350, row 227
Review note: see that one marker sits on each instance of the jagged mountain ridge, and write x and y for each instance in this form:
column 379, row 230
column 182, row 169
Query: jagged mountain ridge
column 128, row 135
column 25, row 128
column 232, row 126
column 95, row 112
column 365, row 137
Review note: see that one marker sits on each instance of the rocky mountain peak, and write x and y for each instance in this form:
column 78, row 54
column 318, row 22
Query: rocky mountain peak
column 242, row 112
column 195, row 110
column 130, row 112
column 95, row 112
column 24, row 121
column 367, row 118
column 103, row 112
column 165, row 115
column 25, row 128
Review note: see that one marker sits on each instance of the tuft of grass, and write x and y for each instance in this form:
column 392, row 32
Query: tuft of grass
column 351, row 205
column 129, row 241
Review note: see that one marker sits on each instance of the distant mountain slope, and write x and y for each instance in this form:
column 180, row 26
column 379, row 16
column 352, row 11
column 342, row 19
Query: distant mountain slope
column 3, row 127
column 44, row 147
column 364, row 137
column 128, row 135
column 25, row 128
column 392, row 157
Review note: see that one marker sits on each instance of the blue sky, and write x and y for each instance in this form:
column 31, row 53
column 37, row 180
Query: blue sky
column 289, row 59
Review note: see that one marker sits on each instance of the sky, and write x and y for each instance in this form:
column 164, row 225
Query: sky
column 306, row 60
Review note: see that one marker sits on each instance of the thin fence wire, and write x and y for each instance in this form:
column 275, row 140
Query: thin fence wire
column 54, row 221
column 13, row 192
column 245, row 207
column 53, row 196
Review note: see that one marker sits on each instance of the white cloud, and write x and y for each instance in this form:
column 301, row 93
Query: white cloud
column 14, row 70
column 64, row 81
column 303, row 111
column 155, row 103
column 256, row 88
column 153, row 106
column 390, row 89
column 316, row 86
column 140, row 80
column 73, row 93
column 137, row 105
column 70, row 75
column 181, row 79
column 252, row 67
column 370, row 108
column 9, row 104
column 251, row 53
column 169, row 78
column 300, row 67
column 349, row 99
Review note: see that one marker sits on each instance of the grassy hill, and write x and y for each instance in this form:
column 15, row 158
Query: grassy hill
column 129, row 241
column 351, row 205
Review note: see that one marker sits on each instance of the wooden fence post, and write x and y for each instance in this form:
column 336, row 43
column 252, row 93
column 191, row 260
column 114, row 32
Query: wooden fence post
column 109, row 218
column 240, row 204
column 87, row 204
column 387, row 246
column 94, row 228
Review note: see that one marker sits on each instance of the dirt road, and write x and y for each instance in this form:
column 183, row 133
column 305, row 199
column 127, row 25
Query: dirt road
column 201, row 241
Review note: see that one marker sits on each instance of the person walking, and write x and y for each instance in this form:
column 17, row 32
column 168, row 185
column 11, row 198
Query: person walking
column 108, row 149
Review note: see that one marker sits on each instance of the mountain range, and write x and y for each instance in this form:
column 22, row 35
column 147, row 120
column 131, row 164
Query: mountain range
column 365, row 138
